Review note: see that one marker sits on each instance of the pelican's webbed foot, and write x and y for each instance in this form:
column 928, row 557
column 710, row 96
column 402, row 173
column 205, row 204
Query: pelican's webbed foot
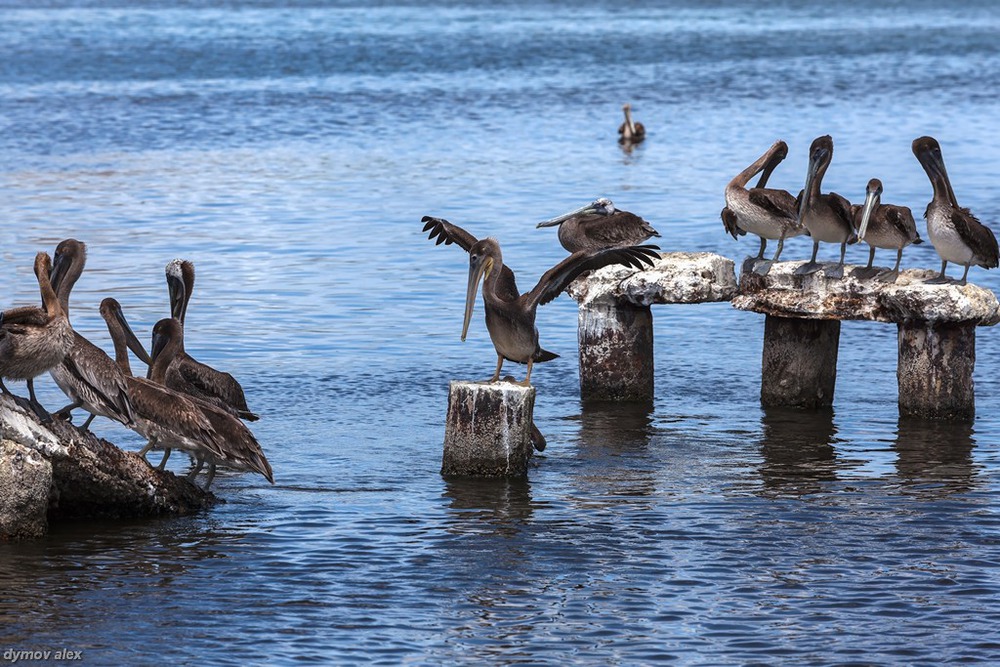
column 836, row 272
column 808, row 269
column 938, row 280
column 763, row 267
column 865, row 272
column 887, row 276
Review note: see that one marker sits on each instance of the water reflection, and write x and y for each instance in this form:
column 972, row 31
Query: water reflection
column 496, row 505
column 935, row 458
column 798, row 452
column 614, row 442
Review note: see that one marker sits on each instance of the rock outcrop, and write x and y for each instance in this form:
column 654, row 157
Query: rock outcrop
column 54, row 473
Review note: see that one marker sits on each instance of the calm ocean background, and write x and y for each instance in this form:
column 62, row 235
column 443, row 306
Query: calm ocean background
column 290, row 149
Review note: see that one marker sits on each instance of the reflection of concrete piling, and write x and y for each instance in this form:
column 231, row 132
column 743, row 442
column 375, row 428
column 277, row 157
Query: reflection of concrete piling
column 488, row 429
column 937, row 335
column 616, row 325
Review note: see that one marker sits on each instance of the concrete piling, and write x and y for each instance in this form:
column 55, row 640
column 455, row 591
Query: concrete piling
column 488, row 430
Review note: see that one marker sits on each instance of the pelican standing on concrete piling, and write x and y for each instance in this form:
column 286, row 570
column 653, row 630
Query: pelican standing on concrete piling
column 956, row 234
column 33, row 340
column 769, row 213
column 630, row 132
column 510, row 317
column 600, row 225
column 827, row 217
column 883, row 226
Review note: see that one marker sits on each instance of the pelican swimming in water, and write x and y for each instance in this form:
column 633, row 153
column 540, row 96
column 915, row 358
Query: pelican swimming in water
column 186, row 374
column 33, row 340
column 600, row 225
column 955, row 233
column 630, row 132
column 240, row 449
column 510, row 317
column 883, row 226
column 769, row 213
column 827, row 217
column 87, row 375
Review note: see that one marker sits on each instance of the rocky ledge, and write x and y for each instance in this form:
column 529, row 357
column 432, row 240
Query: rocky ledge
column 781, row 293
column 677, row 277
column 51, row 473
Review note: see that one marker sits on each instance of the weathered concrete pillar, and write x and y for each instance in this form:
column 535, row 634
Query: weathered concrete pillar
column 488, row 429
column 934, row 371
column 616, row 352
column 25, row 481
column 799, row 366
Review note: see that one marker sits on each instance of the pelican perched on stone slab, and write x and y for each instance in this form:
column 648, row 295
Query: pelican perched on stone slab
column 186, row 374
column 87, row 375
column 600, row 225
column 883, row 226
column 955, row 232
column 33, row 340
column 630, row 132
column 827, row 217
column 510, row 317
column 766, row 212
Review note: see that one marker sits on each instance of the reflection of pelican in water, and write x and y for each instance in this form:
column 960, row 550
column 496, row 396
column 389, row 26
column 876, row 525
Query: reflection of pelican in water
column 799, row 457
column 935, row 458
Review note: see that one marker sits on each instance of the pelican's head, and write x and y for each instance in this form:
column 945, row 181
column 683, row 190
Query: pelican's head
column 180, row 280
column 873, row 194
column 165, row 332
column 602, row 206
column 111, row 310
column 484, row 257
column 820, row 154
column 69, row 258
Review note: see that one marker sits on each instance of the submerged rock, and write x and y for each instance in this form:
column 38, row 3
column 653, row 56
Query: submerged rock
column 53, row 472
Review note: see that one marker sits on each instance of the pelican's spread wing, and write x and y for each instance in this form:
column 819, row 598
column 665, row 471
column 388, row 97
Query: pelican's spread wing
column 558, row 278
column 442, row 231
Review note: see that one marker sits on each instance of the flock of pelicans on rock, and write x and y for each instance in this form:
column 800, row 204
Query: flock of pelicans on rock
column 600, row 235
column 183, row 404
column 180, row 404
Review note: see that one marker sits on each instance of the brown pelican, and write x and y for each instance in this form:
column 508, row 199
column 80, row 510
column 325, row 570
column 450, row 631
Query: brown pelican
column 184, row 373
column 240, row 450
column 883, row 226
column 33, row 340
column 956, row 234
column 87, row 375
column 766, row 212
column 510, row 317
column 828, row 217
column 599, row 225
column 630, row 132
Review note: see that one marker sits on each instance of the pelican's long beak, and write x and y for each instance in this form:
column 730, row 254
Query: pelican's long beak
column 871, row 201
column 477, row 270
column 159, row 342
column 131, row 340
column 583, row 210
column 58, row 272
column 814, row 162
column 176, row 288
column 937, row 166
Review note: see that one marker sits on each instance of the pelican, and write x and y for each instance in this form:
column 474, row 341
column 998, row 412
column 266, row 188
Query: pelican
column 956, row 234
column 87, row 375
column 599, row 225
column 766, row 212
column 828, row 217
column 510, row 317
column 33, row 340
column 883, row 226
column 240, row 449
column 630, row 132
column 186, row 374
